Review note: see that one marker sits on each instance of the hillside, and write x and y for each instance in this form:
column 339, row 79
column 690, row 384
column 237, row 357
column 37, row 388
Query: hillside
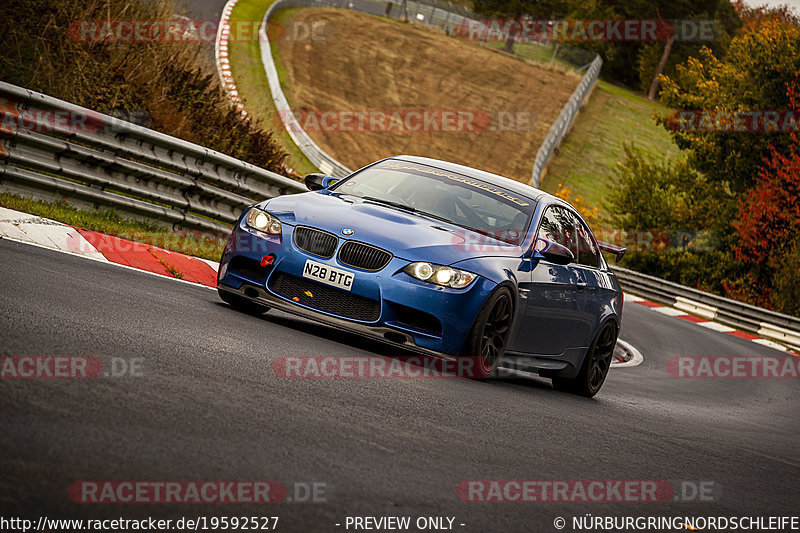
column 587, row 157
column 503, row 106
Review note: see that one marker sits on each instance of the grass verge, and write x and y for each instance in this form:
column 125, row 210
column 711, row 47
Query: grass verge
column 251, row 82
column 198, row 244
column 586, row 160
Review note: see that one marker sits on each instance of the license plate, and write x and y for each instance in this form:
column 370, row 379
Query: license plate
column 328, row 275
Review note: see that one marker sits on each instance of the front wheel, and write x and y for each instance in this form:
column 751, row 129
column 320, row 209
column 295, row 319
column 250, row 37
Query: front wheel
column 595, row 366
column 487, row 340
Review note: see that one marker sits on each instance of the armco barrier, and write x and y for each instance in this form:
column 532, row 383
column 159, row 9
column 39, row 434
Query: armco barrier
column 769, row 324
column 52, row 149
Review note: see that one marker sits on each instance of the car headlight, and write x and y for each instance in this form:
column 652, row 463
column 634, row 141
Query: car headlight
column 263, row 221
column 440, row 275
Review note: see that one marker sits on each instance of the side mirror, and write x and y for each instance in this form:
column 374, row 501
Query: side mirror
column 552, row 252
column 318, row 182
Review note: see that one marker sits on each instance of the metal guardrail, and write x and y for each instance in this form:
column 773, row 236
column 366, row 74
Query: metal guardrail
column 52, row 149
column 769, row 324
column 561, row 126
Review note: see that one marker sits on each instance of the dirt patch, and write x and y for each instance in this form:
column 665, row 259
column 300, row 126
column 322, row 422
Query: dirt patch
column 404, row 85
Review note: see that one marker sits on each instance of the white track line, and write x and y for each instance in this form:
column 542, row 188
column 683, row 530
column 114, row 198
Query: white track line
column 635, row 360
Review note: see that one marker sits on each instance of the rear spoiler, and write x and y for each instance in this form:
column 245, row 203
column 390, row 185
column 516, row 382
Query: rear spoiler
column 618, row 251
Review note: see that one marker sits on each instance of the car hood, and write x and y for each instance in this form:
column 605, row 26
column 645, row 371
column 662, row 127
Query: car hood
column 406, row 235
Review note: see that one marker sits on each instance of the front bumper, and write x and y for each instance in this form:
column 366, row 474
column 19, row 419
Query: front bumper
column 421, row 316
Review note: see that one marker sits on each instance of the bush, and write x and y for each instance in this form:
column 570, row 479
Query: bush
column 160, row 81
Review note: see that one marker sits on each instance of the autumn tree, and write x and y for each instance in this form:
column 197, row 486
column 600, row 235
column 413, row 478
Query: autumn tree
column 768, row 228
column 751, row 77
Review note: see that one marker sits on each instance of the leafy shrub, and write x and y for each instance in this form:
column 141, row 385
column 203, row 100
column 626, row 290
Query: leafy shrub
column 158, row 80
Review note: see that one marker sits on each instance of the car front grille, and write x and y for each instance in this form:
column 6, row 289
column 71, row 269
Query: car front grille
column 315, row 242
column 324, row 298
column 363, row 256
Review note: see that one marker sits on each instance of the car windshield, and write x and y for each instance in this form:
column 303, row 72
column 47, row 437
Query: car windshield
column 464, row 201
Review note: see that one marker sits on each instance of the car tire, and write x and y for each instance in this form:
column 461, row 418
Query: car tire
column 595, row 367
column 243, row 304
column 488, row 337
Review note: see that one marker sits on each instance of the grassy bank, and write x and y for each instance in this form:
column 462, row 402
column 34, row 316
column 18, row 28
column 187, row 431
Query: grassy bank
column 394, row 74
column 251, row 81
column 586, row 160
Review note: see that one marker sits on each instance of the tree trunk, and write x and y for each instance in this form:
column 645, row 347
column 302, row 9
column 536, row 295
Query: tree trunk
column 661, row 64
column 509, row 46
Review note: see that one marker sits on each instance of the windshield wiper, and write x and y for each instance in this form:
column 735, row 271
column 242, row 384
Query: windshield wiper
column 437, row 217
column 398, row 205
column 409, row 208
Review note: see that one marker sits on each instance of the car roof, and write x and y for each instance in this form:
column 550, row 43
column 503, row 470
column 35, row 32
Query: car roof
column 495, row 179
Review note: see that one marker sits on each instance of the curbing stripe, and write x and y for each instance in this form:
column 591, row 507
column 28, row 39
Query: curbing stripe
column 701, row 312
column 716, row 326
column 696, row 308
column 669, row 311
column 222, row 58
column 45, row 233
column 647, row 303
column 692, row 318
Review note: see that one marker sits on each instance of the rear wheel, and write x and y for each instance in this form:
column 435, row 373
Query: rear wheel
column 487, row 340
column 243, row 304
column 595, row 366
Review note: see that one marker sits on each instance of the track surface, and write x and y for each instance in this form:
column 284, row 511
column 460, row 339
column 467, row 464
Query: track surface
column 210, row 408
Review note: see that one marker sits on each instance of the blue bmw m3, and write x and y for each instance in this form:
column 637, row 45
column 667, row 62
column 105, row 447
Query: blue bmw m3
column 440, row 258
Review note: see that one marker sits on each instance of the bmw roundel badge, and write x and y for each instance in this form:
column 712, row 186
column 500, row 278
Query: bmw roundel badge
column 347, row 232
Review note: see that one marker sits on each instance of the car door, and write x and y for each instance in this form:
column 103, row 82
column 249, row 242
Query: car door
column 553, row 307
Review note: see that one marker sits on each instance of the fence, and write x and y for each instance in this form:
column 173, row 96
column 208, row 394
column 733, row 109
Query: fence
column 53, row 149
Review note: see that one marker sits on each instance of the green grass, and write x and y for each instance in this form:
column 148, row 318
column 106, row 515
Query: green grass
column 586, row 160
column 251, row 81
column 206, row 245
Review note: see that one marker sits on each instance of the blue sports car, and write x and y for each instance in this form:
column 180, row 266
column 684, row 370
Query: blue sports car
column 440, row 258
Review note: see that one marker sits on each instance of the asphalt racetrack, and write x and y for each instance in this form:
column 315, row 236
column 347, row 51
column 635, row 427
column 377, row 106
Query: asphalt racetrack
column 207, row 405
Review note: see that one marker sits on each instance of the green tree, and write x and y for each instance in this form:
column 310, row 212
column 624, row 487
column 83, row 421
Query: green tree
column 751, row 77
column 685, row 220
